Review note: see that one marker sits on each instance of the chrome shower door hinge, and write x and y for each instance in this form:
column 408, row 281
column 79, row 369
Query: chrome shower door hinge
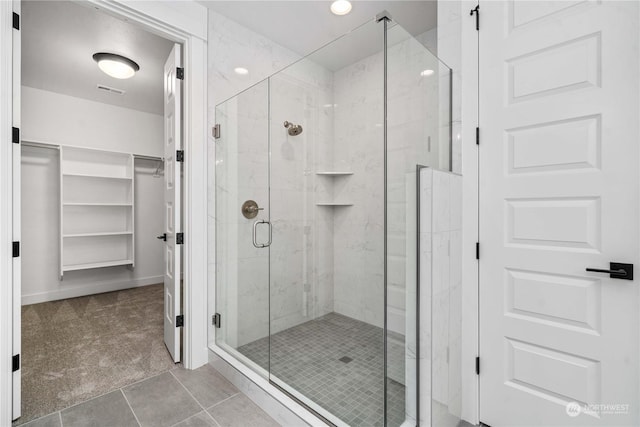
column 216, row 320
column 216, row 131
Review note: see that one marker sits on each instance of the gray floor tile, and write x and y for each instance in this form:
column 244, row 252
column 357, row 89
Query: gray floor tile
column 311, row 358
column 199, row 420
column 161, row 401
column 51, row 420
column 108, row 410
column 206, row 385
column 240, row 411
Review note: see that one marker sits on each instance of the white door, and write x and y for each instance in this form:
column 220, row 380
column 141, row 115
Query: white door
column 17, row 265
column 172, row 205
column 559, row 192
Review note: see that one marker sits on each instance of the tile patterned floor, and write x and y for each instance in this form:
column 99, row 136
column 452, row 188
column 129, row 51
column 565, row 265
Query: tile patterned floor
column 180, row 398
column 308, row 357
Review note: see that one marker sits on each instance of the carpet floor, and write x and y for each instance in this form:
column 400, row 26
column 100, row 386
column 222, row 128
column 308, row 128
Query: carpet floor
column 80, row 348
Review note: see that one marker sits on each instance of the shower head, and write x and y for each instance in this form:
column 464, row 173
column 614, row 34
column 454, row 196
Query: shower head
column 292, row 129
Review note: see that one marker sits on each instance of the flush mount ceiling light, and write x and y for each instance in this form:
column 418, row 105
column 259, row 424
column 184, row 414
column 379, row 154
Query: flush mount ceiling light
column 116, row 66
column 341, row 7
column 426, row 73
column 241, row 70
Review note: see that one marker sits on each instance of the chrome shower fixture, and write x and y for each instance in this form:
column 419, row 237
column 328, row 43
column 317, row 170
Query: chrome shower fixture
column 292, row 129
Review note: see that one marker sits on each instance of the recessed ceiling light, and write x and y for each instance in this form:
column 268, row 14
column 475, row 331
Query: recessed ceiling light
column 427, row 73
column 116, row 66
column 341, row 7
column 241, row 70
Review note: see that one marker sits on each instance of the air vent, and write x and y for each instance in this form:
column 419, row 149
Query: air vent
column 111, row 89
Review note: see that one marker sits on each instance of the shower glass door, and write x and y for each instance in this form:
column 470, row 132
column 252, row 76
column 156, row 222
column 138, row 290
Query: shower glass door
column 316, row 232
column 326, row 286
column 242, row 267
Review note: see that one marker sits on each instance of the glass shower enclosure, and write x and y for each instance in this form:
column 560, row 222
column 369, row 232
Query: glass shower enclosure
column 316, row 203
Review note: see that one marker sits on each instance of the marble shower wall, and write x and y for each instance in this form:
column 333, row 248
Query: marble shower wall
column 449, row 42
column 358, row 247
column 302, row 249
column 417, row 110
column 297, row 278
column 441, row 291
column 323, row 259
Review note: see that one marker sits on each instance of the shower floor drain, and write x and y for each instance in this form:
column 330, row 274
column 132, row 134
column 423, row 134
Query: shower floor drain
column 345, row 359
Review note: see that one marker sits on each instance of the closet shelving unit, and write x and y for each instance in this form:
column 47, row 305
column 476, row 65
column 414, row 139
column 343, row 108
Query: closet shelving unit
column 330, row 175
column 96, row 209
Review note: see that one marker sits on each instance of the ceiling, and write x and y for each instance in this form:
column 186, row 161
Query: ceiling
column 304, row 26
column 59, row 39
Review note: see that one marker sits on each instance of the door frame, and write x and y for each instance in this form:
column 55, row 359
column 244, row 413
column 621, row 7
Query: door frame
column 470, row 212
column 182, row 22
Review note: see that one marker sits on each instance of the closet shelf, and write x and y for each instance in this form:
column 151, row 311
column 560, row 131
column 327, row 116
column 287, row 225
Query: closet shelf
column 334, row 173
column 101, row 184
column 88, row 175
column 87, row 266
column 97, row 204
column 108, row 233
column 334, row 204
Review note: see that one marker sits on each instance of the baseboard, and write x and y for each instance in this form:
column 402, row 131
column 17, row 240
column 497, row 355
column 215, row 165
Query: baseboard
column 93, row 289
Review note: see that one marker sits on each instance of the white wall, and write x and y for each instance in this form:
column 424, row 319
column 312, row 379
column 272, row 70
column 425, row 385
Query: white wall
column 60, row 119
column 66, row 120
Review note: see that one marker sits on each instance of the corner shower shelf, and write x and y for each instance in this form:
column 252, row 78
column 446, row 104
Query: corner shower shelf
column 97, row 198
column 334, row 204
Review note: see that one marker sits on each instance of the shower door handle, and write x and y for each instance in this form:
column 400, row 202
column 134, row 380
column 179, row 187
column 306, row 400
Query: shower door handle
column 255, row 234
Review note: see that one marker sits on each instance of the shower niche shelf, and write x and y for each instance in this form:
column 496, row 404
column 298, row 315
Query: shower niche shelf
column 334, row 174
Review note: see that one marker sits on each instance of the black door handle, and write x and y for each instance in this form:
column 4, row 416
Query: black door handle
column 162, row 237
column 616, row 270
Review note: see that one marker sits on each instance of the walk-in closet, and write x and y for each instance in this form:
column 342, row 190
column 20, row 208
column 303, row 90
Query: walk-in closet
column 93, row 218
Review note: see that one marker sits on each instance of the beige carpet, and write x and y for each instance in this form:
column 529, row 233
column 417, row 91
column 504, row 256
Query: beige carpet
column 76, row 349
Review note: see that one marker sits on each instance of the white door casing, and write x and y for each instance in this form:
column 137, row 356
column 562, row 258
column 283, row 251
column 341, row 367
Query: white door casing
column 172, row 204
column 559, row 192
column 17, row 273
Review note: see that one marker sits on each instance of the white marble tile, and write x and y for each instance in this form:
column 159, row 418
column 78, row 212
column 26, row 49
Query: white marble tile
column 441, row 201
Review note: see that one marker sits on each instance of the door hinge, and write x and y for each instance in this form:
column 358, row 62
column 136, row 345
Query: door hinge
column 16, row 249
column 179, row 238
column 476, row 10
column 215, row 131
column 180, row 156
column 215, row 320
column 477, row 365
column 15, row 135
column 16, row 362
column 16, row 21
column 477, row 250
column 180, row 73
column 179, row 321
column 477, row 136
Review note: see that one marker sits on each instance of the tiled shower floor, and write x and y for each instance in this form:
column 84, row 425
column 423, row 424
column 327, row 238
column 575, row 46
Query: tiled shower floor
column 308, row 357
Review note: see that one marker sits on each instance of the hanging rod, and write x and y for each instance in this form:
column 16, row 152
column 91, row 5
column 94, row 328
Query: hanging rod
column 140, row 156
column 57, row 147
column 41, row 145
